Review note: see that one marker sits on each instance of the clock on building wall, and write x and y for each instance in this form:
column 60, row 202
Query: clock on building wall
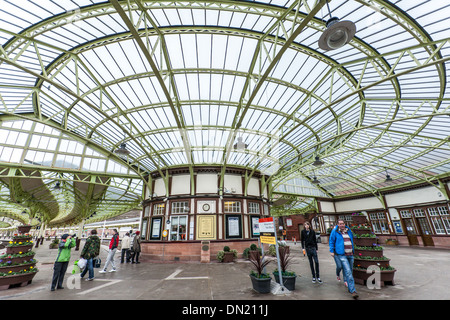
column 206, row 207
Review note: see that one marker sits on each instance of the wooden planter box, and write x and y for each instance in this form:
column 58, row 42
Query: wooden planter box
column 17, row 249
column 228, row 257
column 17, row 268
column 16, row 280
column 370, row 253
column 22, row 239
column 17, row 259
column 364, row 263
column 24, row 229
column 359, row 219
column 364, row 242
column 386, row 277
column 361, row 231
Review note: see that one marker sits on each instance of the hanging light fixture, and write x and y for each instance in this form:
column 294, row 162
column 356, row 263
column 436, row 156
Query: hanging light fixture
column 122, row 150
column 317, row 162
column 57, row 186
column 315, row 181
column 240, row 145
column 337, row 34
column 388, row 177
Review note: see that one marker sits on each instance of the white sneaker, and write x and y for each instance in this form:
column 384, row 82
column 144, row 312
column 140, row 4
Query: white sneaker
column 102, row 271
column 112, row 270
column 314, row 280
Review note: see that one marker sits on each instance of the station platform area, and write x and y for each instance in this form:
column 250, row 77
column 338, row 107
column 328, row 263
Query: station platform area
column 422, row 274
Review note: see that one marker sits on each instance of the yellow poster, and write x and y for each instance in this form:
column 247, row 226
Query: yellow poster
column 206, row 227
column 269, row 240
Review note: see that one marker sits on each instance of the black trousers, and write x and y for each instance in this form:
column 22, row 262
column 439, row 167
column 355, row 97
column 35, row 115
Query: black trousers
column 59, row 270
column 312, row 255
column 125, row 252
column 135, row 256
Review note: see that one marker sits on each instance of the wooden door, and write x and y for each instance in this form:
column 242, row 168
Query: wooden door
column 425, row 231
column 423, row 227
column 409, row 226
column 411, row 232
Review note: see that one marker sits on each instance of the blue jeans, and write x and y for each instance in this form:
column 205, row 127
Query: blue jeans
column 90, row 267
column 347, row 267
column 338, row 266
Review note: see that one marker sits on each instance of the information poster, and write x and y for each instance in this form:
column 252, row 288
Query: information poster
column 206, row 227
column 156, row 229
column 233, row 227
column 255, row 226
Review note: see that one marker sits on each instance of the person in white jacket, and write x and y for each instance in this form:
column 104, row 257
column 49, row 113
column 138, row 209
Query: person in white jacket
column 125, row 248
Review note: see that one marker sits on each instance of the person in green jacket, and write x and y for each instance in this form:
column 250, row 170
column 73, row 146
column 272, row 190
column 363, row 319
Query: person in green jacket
column 62, row 261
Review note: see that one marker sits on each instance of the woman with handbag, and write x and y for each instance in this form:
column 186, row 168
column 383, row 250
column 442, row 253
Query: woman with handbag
column 90, row 250
column 136, row 248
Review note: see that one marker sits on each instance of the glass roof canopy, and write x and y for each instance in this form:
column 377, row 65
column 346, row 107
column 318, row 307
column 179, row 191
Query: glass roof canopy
column 182, row 82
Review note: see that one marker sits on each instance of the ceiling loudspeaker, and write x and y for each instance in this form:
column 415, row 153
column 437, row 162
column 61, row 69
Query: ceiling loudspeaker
column 337, row 34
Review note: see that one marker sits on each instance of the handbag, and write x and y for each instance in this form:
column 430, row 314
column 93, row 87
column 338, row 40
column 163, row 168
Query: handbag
column 97, row 262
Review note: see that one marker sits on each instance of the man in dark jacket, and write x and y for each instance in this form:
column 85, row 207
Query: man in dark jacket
column 114, row 243
column 90, row 250
column 309, row 242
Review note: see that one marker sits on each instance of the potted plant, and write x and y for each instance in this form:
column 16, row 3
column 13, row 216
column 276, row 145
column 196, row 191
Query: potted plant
column 288, row 277
column 226, row 255
column 260, row 279
column 253, row 249
column 54, row 244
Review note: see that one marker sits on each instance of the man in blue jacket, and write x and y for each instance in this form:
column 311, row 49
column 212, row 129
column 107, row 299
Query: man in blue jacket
column 341, row 245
